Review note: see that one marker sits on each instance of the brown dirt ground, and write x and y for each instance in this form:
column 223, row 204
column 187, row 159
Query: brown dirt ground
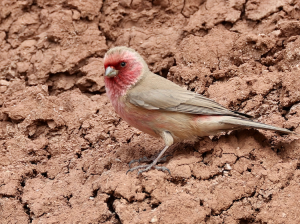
column 64, row 151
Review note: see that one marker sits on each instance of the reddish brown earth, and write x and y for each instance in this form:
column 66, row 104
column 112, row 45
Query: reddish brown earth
column 64, row 152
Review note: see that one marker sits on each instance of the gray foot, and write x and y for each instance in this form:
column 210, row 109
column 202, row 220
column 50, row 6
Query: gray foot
column 145, row 168
column 146, row 159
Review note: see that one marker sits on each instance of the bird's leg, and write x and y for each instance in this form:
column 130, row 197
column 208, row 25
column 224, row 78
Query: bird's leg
column 153, row 164
column 169, row 141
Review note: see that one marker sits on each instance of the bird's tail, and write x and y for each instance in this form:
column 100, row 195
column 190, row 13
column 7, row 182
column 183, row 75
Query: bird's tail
column 252, row 124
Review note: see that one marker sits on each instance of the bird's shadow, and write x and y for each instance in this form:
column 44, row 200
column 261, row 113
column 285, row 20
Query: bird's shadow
column 206, row 145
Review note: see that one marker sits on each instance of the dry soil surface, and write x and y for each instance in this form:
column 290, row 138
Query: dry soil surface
column 64, row 152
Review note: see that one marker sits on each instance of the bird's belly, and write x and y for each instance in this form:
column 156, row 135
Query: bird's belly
column 145, row 125
column 155, row 122
column 180, row 125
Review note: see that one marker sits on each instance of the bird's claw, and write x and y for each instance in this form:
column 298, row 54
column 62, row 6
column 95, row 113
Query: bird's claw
column 140, row 160
column 146, row 159
column 145, row 168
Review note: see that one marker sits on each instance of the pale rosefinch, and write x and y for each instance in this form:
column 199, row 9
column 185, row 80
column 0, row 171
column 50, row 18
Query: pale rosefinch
column 163, row 109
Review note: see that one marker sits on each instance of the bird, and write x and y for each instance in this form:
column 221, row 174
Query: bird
column 161, row 108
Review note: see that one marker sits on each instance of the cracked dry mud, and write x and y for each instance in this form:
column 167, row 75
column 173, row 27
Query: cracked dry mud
column 64, row 152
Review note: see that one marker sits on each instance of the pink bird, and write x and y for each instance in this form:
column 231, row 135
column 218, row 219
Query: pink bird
column 163, row 109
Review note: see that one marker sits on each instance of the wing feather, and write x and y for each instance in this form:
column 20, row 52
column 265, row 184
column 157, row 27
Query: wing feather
column 157, row 93
column 178, row 100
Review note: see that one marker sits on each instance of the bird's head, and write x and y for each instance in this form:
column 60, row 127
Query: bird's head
column 123, row 68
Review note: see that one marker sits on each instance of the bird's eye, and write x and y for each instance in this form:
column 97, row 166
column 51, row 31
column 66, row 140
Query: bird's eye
column 123, row 64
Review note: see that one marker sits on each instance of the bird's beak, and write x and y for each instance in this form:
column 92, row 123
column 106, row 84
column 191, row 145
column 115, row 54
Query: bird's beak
column 111, row 72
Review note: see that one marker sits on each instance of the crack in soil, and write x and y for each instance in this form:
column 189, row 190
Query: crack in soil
column 110, row 201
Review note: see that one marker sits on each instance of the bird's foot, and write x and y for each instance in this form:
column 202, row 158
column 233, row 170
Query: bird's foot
column 146, row 159
column 145, row 168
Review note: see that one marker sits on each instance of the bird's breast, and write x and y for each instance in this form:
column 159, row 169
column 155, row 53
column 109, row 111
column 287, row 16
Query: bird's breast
column 137, row 117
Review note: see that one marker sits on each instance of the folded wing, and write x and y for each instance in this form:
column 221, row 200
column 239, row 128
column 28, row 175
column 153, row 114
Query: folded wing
column 179, row 100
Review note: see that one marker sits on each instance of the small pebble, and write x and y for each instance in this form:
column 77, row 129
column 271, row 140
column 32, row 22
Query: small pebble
column 154, row 219
column 227, row 167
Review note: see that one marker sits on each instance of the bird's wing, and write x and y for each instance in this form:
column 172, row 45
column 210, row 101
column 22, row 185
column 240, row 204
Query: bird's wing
column 154, row 92
column 178, row 100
